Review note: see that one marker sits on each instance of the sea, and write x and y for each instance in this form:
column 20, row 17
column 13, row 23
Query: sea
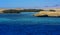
column 25, row 23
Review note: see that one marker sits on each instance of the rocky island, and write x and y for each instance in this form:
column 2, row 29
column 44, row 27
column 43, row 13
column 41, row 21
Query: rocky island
column 40, row 12
column 18, row 10
column 48, row 13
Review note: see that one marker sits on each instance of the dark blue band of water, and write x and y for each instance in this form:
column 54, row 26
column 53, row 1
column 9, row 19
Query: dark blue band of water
column 26, row 24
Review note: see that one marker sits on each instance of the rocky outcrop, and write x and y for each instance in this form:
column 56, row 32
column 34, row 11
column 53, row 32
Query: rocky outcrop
column 47, row 13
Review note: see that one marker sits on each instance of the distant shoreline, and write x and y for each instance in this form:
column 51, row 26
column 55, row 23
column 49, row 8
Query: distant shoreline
column 18, row 10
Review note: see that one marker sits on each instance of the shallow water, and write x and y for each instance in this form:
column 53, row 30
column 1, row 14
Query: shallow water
column 27, row 24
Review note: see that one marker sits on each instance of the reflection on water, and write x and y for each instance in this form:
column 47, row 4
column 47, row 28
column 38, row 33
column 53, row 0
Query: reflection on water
column 27, row 24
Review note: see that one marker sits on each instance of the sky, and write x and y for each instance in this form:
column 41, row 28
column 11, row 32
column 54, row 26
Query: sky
column 28, row 3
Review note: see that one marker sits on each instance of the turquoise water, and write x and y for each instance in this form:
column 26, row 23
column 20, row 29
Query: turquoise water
column 27, row 24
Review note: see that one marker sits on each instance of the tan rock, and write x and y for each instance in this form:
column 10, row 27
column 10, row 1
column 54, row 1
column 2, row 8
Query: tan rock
column 49, row 13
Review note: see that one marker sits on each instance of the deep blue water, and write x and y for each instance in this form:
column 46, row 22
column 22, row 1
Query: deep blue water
column 27, row 24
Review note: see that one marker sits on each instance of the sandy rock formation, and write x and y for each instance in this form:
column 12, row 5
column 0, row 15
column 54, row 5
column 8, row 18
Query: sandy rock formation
column 47, row 13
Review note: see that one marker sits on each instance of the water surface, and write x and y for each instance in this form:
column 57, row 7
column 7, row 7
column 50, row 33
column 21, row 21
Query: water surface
column 27, row 24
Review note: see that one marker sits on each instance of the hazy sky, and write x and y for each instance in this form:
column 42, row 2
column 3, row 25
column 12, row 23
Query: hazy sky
column 28, row 3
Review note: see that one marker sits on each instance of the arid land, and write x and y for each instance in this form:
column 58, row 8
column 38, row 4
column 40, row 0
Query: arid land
column 40, row 12
column 49, row 12
column 18, row 10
